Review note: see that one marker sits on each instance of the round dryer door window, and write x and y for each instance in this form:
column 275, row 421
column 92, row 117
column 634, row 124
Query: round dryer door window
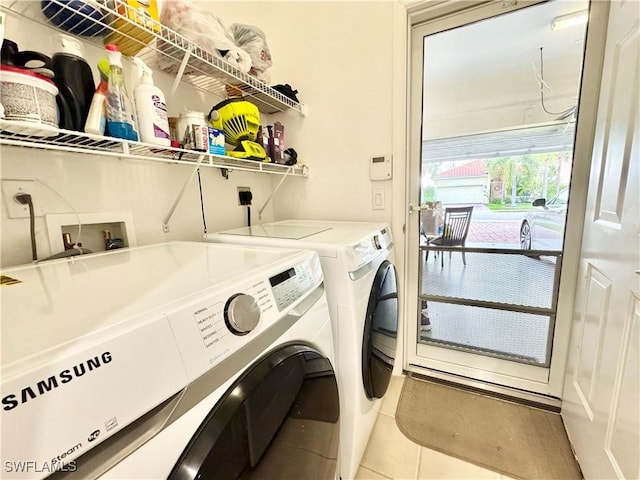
column 380, row 332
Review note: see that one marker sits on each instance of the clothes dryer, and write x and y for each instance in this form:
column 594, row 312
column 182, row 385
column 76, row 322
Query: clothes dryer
column 357, row 261
column 179, row 360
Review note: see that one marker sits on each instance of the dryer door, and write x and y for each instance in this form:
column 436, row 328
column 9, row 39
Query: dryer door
column 280, row 419
column 380, row 332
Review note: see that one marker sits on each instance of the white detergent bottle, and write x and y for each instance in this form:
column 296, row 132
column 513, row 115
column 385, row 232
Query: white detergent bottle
column 151, row 108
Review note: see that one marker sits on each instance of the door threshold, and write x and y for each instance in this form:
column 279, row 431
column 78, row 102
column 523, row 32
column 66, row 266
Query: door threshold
column 515, row 395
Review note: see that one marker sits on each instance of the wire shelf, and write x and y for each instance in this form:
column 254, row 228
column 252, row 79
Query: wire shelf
column 22, row 134
column 168, row 51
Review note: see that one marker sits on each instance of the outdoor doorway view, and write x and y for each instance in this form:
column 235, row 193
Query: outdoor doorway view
column 483, row 299
column 502, row 192
column 496, row 134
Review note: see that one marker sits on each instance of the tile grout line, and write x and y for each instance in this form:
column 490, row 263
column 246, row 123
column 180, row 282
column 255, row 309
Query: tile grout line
column 377, row 472
column 373, row 469
column 392, row 416
column 417, row 475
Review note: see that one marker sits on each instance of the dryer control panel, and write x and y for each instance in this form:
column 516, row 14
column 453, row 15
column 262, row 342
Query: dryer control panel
column 220, row 322
column 368, row 248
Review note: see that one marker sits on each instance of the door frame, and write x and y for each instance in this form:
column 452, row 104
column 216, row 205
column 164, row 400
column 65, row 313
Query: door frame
column 446, row 15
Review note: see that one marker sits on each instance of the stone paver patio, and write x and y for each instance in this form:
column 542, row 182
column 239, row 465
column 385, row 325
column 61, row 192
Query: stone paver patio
column 504, row 233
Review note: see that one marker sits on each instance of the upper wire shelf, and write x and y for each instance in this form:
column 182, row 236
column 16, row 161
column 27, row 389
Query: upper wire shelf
column 168, row 50
column 20, row 134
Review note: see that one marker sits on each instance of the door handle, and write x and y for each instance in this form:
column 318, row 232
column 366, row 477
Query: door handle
column 413, row 208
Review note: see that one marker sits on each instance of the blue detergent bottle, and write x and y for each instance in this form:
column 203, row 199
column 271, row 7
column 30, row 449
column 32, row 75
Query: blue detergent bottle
column 120, row 119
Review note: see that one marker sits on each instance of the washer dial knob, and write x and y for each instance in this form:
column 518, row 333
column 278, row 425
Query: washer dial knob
column 376, row 242
column 241, row 313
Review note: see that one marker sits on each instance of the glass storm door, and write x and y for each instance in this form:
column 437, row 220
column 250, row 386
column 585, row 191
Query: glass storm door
column 493, row 110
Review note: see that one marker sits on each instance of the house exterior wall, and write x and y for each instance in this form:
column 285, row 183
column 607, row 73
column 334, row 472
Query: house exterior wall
column 462, row 190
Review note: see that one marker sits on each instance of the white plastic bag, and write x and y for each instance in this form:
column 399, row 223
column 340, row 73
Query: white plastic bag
column 253, row 41
column 205, row 30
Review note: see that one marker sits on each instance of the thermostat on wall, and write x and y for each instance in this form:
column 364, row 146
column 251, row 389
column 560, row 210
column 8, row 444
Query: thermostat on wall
column 380, row 168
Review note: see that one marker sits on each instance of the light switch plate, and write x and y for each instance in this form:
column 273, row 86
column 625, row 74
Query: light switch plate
column 378, row 199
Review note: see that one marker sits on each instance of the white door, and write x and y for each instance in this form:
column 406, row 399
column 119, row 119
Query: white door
column 601, row 402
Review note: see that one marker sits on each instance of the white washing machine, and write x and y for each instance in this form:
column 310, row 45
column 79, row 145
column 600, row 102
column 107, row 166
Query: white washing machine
column 179, row 360
column 357, row 260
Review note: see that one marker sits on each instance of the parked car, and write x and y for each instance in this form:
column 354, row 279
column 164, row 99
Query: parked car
column 543, row 227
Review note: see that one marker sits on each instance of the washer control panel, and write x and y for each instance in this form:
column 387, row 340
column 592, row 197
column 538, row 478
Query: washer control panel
column 241, row 313
column 216, row 324
column 291, row 284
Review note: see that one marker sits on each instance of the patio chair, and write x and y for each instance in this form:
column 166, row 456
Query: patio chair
column 431, row 219
column 456, row 228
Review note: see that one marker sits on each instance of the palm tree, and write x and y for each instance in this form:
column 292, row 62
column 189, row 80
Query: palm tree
column 506, row 169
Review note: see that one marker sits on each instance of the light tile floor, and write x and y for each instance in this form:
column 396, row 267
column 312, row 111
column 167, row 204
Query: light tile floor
column 391, row 455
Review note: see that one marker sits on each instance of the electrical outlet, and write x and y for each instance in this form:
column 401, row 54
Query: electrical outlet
column 240, row 190
column 11, row 188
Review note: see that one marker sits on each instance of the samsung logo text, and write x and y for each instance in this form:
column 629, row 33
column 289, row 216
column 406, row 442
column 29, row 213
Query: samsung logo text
column 30, row 392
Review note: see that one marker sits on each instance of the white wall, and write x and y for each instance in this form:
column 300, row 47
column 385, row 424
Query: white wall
column 337, row 54
column 348, row 88
column 100, row 184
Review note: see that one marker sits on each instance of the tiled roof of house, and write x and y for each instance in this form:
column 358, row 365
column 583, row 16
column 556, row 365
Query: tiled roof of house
column 476, row 168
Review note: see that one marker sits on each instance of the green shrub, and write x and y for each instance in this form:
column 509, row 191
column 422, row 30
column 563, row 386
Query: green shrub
column 428, row 194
